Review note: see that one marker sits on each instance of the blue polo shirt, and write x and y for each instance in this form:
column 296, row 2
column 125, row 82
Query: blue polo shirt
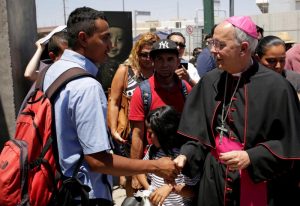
column 80, row 119
column 205, row 62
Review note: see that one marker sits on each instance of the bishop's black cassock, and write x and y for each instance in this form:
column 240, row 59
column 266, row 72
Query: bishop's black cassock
column 264, row 117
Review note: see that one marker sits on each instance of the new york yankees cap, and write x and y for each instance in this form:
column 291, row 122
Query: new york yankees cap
column 164, row 45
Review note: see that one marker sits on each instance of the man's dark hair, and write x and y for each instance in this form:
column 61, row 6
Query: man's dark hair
column 176, row 34
column 56, row 40
column 82, row 19
column 208, row 36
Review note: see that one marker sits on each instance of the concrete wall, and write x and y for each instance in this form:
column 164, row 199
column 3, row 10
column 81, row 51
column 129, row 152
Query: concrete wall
column 17, row 37
column 280, row 22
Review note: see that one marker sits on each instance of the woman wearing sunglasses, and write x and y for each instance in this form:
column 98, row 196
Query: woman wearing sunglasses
column 137, row 67
column 270, row 52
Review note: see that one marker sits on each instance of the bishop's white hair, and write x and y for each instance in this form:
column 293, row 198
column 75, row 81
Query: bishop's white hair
column 242, row 36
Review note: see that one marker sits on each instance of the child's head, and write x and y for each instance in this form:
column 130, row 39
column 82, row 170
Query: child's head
column 57, row 44
column 162, row 123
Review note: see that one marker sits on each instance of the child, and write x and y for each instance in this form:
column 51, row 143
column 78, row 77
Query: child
column 57, row 42
column 162, row 124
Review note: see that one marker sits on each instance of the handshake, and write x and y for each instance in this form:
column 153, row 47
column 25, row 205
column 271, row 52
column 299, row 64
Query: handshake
column 168, row 168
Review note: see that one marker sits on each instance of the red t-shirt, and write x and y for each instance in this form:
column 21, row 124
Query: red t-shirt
column 160, row 97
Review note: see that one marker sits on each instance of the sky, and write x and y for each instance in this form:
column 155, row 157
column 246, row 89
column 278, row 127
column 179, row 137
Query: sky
column 51, row 12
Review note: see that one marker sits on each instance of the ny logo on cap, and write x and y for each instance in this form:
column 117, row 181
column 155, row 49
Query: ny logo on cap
column 164, row 45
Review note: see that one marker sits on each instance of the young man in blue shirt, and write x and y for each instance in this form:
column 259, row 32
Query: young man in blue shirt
column 80, row 112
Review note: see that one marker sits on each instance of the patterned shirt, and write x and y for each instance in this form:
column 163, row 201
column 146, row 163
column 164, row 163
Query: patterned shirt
column 133, row 81
column 157, row 182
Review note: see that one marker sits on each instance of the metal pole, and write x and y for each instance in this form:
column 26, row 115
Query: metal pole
column 64, row 6
column 208, row 6
column 231, row 7
column 134, row 18
column 177, row 10
column 189, row 46
column 123, row 6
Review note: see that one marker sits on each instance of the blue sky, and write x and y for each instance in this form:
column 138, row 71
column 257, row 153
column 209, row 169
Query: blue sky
column 50, row 13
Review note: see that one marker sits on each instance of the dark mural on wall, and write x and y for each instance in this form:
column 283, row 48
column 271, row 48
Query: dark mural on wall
column 120, row 24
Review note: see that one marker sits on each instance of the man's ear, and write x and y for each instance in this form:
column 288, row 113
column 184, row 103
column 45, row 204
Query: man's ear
column 82, row 38
column 244, row 47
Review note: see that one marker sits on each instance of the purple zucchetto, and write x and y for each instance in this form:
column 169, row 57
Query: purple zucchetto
column 245, row 24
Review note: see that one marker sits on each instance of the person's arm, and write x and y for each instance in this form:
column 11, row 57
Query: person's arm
column 184, row 190
column 264, row 165
column 117, row 87
column 137, row 147
column 106, row 163
column 142, row 178
column 191, row 159
column 193, row 73
column 32, row 67
column 182, row 73
column 158, row 196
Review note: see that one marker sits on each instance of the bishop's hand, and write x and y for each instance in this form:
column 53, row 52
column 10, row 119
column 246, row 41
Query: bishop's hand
column 235, row 160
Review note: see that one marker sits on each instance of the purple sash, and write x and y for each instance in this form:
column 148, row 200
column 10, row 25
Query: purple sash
column 251, row 194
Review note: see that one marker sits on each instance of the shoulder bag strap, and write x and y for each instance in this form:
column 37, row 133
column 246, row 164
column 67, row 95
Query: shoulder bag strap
column 125, row 83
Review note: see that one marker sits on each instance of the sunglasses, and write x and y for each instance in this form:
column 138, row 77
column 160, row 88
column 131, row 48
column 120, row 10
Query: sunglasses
column 144, row 55
column 180, row 44
column 274, row 61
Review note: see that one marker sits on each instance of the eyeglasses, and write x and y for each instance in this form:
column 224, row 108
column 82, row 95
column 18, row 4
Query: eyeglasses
column 144, row 55
column 180, row 44
column 217, row 44
column 273, row 61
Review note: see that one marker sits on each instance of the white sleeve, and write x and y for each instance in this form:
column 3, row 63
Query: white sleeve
column 193, row 72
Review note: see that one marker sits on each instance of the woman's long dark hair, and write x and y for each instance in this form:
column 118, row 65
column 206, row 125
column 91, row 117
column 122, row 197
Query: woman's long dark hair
column 164, row 122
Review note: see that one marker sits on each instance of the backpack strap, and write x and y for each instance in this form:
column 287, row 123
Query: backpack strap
column 54, row 88
column 146, row 95
column 64, row 78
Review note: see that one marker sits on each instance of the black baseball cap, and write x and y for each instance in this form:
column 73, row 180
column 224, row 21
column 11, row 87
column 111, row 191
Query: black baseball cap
column 164, row 45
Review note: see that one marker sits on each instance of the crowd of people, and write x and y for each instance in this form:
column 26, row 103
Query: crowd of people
column 222, row 129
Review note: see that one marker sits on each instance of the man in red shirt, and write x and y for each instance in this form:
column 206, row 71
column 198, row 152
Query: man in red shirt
column 166, row 89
